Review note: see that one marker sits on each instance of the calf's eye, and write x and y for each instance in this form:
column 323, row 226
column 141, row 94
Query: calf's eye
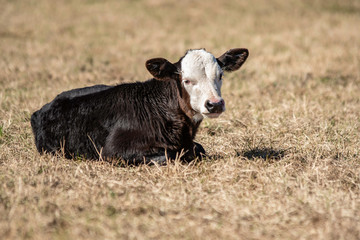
column 187, row 82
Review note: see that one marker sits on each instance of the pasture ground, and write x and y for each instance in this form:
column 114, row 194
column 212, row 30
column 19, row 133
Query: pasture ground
column 285, row 161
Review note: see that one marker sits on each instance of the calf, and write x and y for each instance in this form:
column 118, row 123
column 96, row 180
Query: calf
column 142, row 121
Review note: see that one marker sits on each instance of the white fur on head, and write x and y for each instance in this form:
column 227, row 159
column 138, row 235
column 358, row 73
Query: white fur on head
column 201, row 77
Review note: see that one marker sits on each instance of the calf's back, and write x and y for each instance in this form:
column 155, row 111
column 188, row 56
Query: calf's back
column 117, row 121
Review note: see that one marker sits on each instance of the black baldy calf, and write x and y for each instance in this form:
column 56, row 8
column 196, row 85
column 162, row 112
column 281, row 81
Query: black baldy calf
column 139, row 121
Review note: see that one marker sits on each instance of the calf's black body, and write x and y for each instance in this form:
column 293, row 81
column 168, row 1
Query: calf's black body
column 131, row 121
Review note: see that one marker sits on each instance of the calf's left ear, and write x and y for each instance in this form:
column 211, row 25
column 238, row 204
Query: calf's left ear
column 233, row 59
column 161, row 68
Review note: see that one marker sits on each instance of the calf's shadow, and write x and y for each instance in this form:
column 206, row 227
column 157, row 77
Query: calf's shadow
column 262, row 153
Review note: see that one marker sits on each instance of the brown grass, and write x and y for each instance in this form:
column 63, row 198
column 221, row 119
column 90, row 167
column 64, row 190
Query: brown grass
column 285, row 156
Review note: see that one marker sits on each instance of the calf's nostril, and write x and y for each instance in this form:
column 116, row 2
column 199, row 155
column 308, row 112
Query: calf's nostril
column 222, row 102
column 209, row 105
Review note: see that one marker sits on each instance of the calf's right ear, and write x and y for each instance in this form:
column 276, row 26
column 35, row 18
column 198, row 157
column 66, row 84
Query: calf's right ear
column 161, row 68
column 233, row 59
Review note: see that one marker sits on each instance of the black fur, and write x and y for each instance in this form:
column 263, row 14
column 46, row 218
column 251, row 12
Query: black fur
column 131, row 121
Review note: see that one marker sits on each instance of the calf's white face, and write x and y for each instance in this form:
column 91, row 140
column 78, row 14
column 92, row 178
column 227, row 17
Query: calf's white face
column 202, row 79
column 201, row 76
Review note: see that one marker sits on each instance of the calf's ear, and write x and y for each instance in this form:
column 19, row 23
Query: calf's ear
column 161, row 68
column 233, row 59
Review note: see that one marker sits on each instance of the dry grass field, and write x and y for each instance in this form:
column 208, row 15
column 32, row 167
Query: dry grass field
column 284, row 158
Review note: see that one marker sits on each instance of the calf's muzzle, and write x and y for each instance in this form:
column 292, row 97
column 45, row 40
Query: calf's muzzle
column 216, row 106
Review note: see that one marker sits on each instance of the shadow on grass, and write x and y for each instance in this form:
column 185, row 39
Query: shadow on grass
column 262, row 153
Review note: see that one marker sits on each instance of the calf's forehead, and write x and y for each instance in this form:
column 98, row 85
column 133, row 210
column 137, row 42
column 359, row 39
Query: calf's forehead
column 199, row 64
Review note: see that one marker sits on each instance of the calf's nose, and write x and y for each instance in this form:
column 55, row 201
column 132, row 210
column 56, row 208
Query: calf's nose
column 215, row 107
